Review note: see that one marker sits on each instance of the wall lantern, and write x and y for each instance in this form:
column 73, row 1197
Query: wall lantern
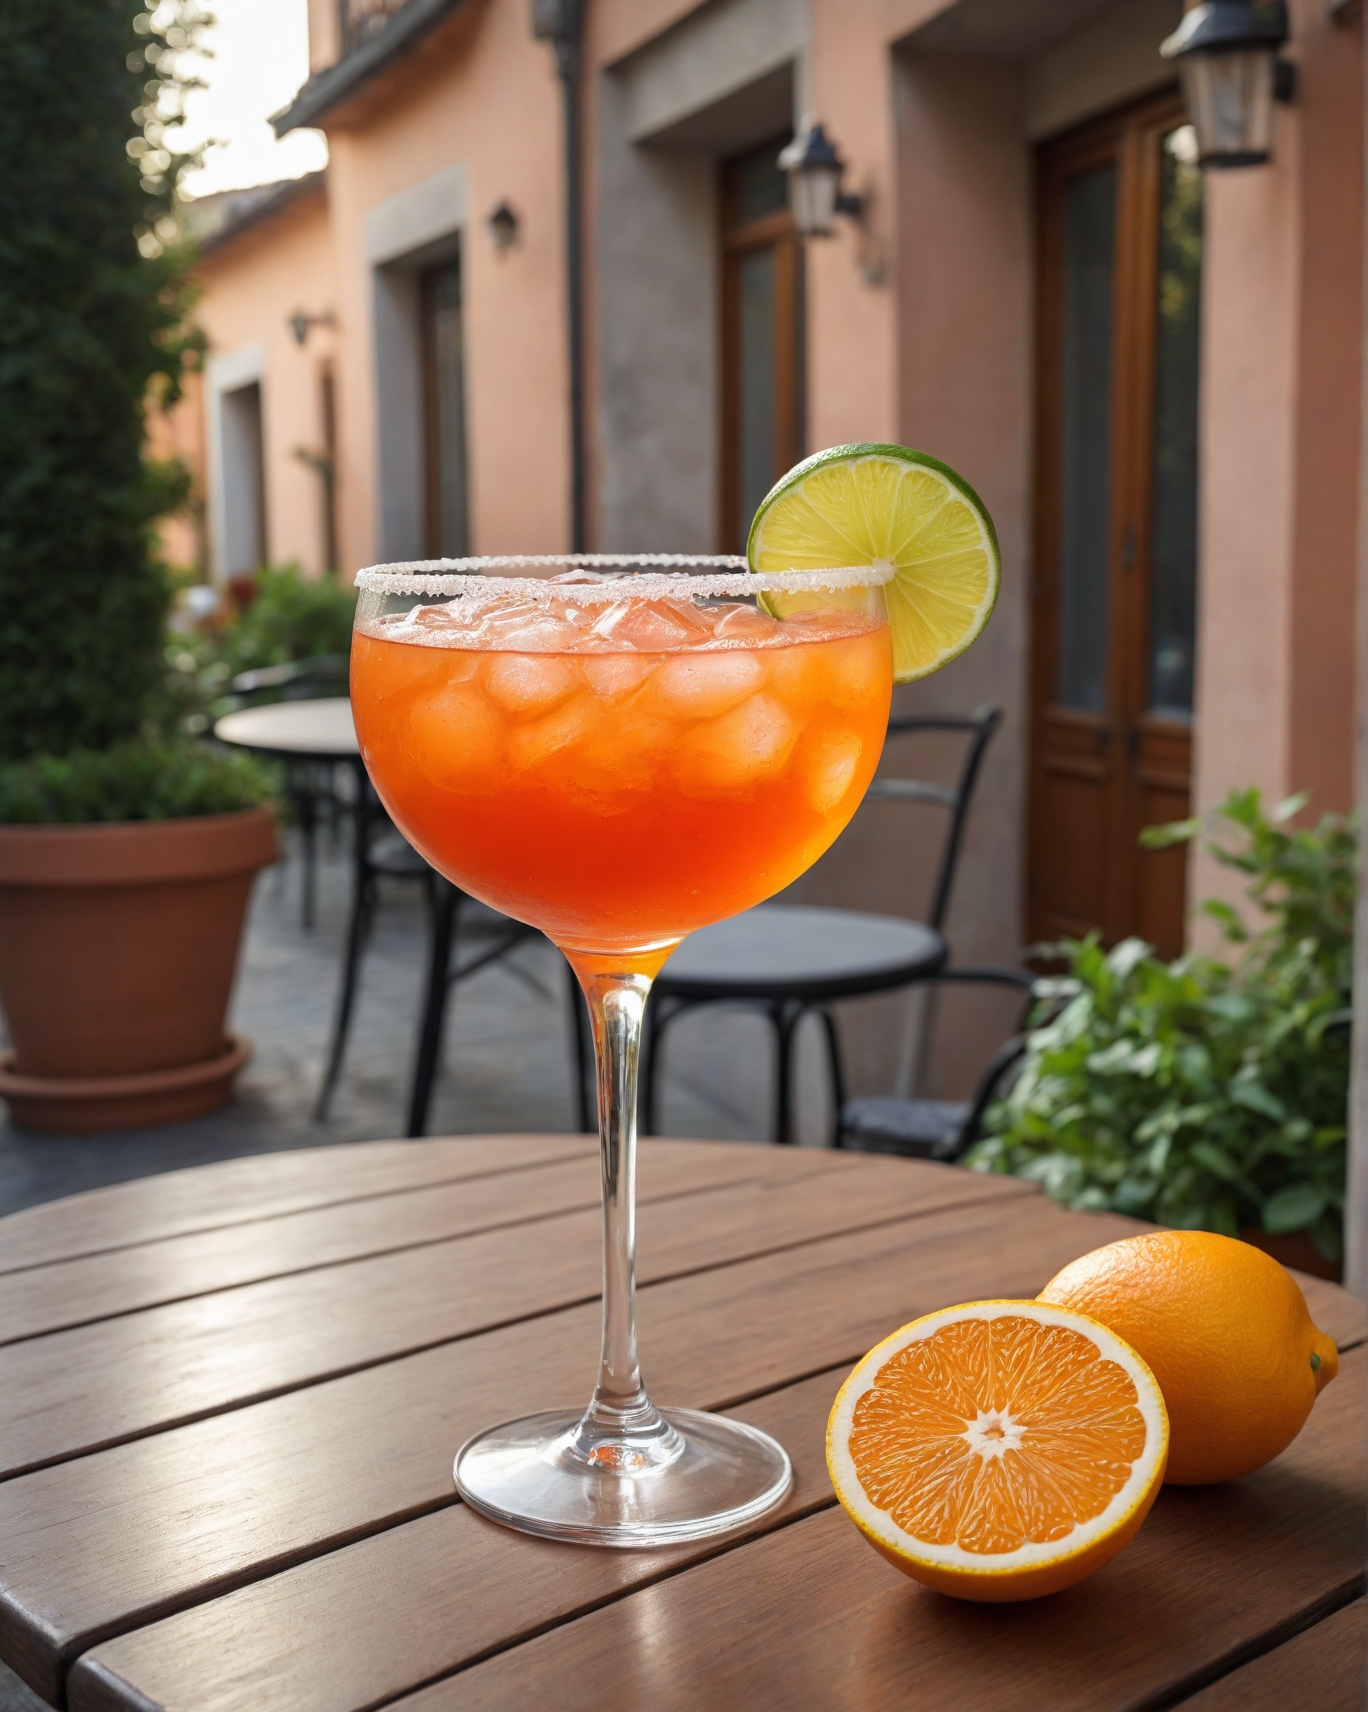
column 502, row 222
column 560, row 22
column 299, row 323
column 1227, row 55
column 814, row 173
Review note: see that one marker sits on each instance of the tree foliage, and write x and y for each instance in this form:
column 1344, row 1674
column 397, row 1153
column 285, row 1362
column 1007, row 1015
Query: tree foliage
column 1204, row 1093
column 93, row 306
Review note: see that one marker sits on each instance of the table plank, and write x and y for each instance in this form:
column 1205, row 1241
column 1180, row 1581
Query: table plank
column 98, row 1545
column 446, row 1588
column 93, row 1386
column 260, row 1186
column 1323, row 1669
column 354, row 1628
column 811, row 1617
column 1338, row 1314
column 105, row 1286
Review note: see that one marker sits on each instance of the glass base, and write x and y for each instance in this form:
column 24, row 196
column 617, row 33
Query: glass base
column 532, row 1475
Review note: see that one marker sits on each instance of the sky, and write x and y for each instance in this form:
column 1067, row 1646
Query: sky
column 260, row 58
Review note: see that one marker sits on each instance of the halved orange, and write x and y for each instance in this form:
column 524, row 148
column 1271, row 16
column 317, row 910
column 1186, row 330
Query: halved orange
column 999, row 1450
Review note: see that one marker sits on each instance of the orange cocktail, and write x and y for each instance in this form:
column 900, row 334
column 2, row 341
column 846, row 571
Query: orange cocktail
column 619, row 774
column 619, row 760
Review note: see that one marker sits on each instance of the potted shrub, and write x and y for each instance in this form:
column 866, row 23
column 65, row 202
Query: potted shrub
column 126, row 852
column 1207, row 1093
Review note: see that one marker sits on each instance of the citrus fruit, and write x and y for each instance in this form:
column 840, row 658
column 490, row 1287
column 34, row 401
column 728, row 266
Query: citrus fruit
column 861, row 505
column 998, row 1450
column 1227, row 1334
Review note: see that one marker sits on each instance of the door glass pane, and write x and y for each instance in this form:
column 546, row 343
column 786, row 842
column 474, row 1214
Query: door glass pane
column 757, row 339
column 1173, row 521
column 761, row 184
column 448, row 412
column 1089, row 245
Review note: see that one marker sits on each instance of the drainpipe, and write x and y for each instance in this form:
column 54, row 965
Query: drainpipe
column 561, row 22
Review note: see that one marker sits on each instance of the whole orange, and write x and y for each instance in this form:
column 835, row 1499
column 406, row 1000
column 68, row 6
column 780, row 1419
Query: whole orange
column 1225, row 1331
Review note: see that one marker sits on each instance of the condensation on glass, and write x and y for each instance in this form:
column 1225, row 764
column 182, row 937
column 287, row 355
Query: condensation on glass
column 448, row 530
column 1085, row 499
column 1173, row 508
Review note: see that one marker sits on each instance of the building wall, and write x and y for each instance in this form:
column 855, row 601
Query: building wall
column 248, row 291
column 480, row 94
column 919, row 328
column 1282, row 317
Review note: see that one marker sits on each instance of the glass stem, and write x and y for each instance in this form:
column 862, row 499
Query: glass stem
column 621, row 1430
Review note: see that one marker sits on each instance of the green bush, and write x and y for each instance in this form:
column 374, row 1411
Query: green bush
column 289, row 617
column 143, row 779
column 92, row 323
column 1205, row 1094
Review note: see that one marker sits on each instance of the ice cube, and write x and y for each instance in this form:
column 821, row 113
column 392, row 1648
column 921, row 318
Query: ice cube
column 790, row 669
column 625, row 754
column 455, row 738
column 528, row 685
column 831, row 769
column 613, row 677
column 530, row 745
column 855, row 672
column 739, row 750
column 743, row 624
column 650, row 626
column 703, row 684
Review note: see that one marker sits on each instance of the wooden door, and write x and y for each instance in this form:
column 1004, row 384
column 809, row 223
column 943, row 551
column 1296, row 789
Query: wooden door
column 1120, row 247
column 447, row 523
column 762, row 309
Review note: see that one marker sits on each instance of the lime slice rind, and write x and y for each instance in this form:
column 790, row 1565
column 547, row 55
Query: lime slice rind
column 859, row 504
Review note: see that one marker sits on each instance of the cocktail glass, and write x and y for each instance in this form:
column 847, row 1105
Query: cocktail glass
column 619, row 750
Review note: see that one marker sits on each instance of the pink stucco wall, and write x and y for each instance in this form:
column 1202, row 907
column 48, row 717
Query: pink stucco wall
column 1280, row 430
column 248, row 291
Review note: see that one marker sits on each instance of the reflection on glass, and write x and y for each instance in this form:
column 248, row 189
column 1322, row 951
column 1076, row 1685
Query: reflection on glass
column 761, row 184
column 448, row 412
column 756, row 425
column 1173, row 517
column 1089, row 242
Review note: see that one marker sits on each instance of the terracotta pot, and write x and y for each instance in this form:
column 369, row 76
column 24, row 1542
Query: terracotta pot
column 118, row 946
column 1293, row 1248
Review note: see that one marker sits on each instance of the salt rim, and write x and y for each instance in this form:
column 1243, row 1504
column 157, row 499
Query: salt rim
column 463, row 576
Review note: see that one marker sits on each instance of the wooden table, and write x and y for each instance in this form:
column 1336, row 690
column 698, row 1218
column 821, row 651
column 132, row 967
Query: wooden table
column 229, row 1399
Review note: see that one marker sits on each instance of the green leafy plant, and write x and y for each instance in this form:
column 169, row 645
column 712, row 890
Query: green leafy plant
column 289, row 616
column 1206, row 1093
column 141, row 779
column 93, row 325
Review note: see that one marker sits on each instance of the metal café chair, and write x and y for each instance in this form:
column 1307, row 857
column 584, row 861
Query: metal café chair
column 789, row 959
column 382, row 852
column 309, row 785
column 944, row 1130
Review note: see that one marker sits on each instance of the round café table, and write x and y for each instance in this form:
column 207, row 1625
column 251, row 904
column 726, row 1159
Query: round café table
column 300, row 733
column 321, row 732
column 230, row 1396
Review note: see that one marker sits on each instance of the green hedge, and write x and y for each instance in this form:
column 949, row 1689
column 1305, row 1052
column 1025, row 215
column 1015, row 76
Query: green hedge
column 138, row 780
column 92, row 320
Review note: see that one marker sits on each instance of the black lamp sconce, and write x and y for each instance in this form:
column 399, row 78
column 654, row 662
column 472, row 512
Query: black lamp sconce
column 1232, row 73
column 814, row 171
column 299, row 323
column 503, row 225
